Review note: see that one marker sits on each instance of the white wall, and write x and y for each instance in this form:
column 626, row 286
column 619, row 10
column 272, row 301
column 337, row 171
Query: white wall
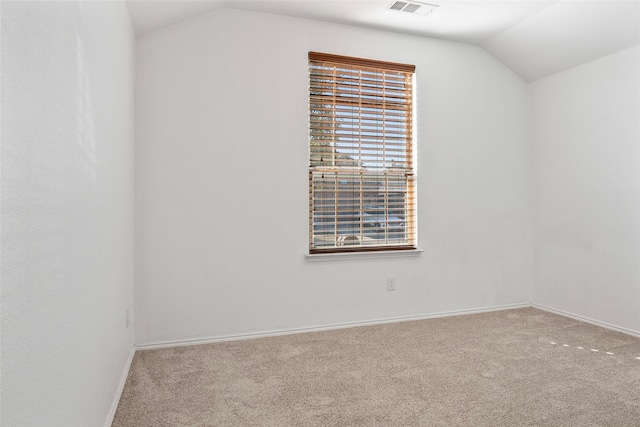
column 222, row 192
column 67, row 209
column 587, row 190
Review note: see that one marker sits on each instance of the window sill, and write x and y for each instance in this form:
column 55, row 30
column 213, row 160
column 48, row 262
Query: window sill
column 363, row 255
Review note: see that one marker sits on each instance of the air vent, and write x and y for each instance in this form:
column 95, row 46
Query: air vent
column 415, row 7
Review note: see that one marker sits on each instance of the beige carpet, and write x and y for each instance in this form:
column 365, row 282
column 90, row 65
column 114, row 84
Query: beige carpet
column 522, row 367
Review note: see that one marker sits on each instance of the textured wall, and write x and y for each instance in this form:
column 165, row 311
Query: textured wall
column 587, row 190
column 67, row 209
column 222, row 181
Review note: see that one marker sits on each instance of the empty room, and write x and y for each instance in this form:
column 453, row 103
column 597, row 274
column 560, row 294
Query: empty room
column 291, row 213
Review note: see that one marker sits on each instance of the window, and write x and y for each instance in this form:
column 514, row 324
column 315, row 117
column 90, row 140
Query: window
column 361, row 168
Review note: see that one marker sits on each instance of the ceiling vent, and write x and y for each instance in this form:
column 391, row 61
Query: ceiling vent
column 414, row 7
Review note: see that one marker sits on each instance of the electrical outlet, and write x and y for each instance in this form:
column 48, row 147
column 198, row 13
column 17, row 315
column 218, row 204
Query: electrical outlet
column 391, row 283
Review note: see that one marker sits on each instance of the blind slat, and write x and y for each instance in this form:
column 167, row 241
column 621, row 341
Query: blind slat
column 361, row 181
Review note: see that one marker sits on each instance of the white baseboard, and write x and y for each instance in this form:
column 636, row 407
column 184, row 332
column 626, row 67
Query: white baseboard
column 120, row 389
column 587, row 320
column 273, row 333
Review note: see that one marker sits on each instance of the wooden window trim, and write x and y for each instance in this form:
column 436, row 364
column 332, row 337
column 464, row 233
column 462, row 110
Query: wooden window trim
column 361, row 62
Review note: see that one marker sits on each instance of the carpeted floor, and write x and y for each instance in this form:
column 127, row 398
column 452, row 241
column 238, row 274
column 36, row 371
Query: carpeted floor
column 521, row 367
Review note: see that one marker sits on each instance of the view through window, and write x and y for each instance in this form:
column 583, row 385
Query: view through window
column 361, row 166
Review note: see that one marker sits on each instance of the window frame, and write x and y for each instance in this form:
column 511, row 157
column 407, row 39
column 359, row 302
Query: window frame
column 399, row 112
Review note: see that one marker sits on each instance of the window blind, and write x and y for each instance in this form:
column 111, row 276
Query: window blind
column 361, row 167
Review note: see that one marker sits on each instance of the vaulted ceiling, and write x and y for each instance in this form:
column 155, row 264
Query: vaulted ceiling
column 534, row 38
